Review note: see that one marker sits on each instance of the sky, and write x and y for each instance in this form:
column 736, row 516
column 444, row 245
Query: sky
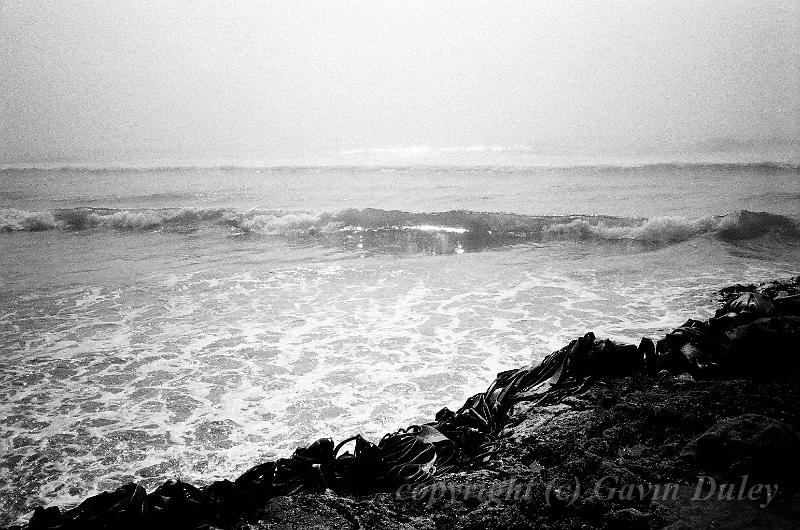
column 194, row 80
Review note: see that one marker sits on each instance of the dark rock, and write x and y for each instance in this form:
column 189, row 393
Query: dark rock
column 766, row 349
column 788, row 304
column 45, row 518
column 258, row 480
column 764, row 444
column 444, row 415
column 647, row 351
column 174, row 504
column 292, row 476
column 666, row 415
column 299, row 512
column 754, row 303
column 629, row 519
column 118, row 509
column 695, row 347
column 487, row 516
column 607, row 401
column 610, row 359
column 223, row 502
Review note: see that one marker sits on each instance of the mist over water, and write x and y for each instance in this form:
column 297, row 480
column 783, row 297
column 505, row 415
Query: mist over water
column 439, row 82
column 193, row 321
column 228, row 229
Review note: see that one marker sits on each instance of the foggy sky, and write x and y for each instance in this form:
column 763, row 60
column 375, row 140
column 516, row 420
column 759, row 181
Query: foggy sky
column 260, row 80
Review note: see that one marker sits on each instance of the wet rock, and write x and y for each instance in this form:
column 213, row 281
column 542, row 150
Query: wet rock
column 257, row 481
column 295, row 513
column 753, row 303
column 120, row 508
column 487, row 516
column 45, row 518
column 766, row 349
column 612, row 359
column 174, row 504
column 223, row 502
column 765, row 445
column 575, row 402
column 695, row 347
column 788, row 304
column 647, row 351
column 629, row 519
column 681, row 381
column 666, row 415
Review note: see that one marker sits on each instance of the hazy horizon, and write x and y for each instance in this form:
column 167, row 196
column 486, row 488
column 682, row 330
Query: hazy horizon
column 385, row 83
column 229, row 229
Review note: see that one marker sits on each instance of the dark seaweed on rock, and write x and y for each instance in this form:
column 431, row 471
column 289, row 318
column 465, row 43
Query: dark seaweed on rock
column 750, row 322
column 754, row 320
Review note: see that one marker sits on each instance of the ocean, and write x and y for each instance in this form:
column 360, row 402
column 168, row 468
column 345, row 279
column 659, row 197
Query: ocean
column 193, row 321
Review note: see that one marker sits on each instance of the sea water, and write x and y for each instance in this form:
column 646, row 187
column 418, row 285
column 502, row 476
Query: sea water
column 191, row 322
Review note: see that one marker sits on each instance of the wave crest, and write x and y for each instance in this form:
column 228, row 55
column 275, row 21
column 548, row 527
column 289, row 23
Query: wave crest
column 657, row 229
column 743, row 224
column 19, row 220
column 379, row 228
column 284, row 222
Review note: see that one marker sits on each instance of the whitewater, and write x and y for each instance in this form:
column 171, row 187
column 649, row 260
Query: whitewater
column 192, row 321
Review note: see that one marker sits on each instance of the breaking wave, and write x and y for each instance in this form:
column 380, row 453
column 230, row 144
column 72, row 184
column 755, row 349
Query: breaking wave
column 452, row 230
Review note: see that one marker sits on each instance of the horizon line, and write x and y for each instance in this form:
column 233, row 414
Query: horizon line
column 400, row 165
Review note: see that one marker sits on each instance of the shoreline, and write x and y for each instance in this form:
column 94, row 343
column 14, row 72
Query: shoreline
column 564, row 438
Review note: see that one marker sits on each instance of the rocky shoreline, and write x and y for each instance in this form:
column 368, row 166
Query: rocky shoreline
column 698, row 429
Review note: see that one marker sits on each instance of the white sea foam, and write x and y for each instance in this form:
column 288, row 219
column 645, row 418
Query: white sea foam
column 283, row 222
column 203, row 374
column 199, row 355
column 12, row 219
column 658, row 229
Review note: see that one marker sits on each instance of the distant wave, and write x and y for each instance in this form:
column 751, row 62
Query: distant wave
column 425, row 149
column 765, row 165
column 377, row 228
